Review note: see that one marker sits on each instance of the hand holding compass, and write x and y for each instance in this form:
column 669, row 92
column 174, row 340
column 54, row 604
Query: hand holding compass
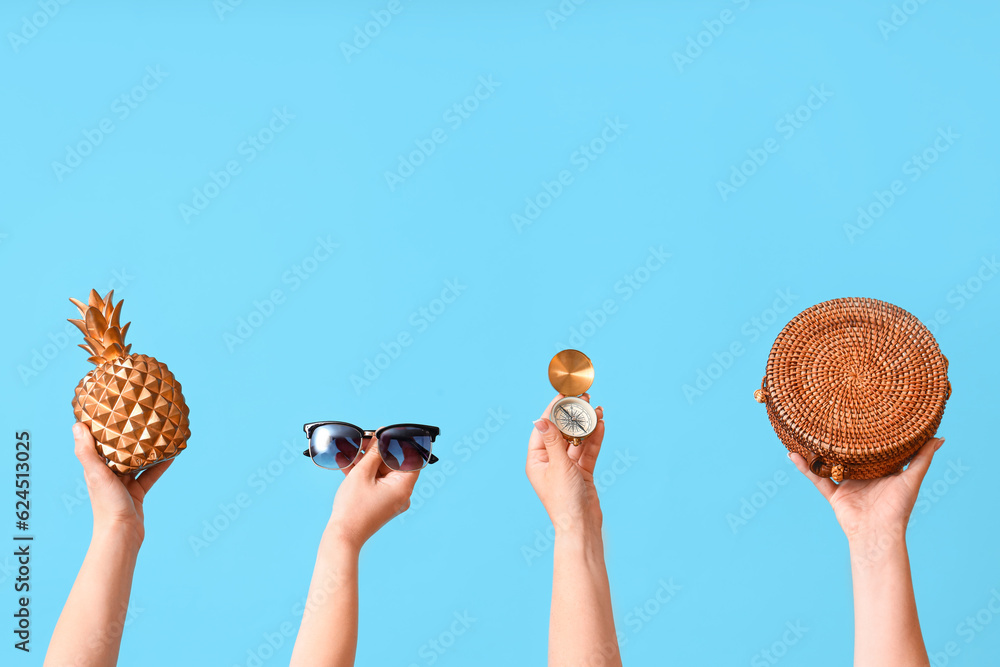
column 571, row 373
column 563, row 475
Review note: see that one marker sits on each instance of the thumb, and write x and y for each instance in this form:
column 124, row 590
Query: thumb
column 404, row 482
column 94, row 468
column 369, row 464
column 921, row 463
column 824, row 485
column 555, row 444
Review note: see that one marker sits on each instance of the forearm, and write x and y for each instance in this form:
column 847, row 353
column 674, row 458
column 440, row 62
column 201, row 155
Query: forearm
column 89, row 630
column 582, row 625
column 887, row 630
column 328, row 636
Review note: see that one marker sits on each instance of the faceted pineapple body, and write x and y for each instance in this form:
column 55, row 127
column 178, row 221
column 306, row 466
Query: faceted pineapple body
column 135, row 410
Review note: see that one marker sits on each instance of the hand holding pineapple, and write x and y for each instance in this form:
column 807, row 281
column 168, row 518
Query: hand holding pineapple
column 116, row 501
column 89, row 630
column 131, row 403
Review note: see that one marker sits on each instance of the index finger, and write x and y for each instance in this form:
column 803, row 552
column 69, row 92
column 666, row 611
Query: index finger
column 151, row 474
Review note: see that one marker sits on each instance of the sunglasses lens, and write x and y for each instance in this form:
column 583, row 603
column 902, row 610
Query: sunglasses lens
column 405, row 447
column 334, row 446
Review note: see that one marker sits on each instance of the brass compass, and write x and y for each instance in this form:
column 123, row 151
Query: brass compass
column 571, row 373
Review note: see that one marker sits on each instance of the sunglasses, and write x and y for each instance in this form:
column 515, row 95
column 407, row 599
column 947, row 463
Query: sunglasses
column 338, row 445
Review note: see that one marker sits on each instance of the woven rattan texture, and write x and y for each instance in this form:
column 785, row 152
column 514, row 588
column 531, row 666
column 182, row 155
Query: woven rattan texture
column 856, row 382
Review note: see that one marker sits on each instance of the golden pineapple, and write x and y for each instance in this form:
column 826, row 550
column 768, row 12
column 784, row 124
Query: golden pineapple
column 131, row 403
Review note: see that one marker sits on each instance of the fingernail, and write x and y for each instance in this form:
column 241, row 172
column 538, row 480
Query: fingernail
column 789, row 455
column 541, row 424
column 78, row 429
column 939, row 443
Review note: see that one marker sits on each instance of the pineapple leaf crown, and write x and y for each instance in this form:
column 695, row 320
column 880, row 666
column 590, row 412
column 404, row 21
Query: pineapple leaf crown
column 101, row 328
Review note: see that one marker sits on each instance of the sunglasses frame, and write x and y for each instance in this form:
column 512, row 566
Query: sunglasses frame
column 312, row 426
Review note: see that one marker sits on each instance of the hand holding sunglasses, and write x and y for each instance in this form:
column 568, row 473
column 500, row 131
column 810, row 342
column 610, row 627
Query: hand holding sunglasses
column 403, row 447
column 368, row 497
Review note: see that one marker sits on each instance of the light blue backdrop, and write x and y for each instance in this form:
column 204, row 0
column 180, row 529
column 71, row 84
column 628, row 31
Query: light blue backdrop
column 654, row 183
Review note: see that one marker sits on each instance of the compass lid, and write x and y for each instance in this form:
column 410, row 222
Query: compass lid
column 571, row 372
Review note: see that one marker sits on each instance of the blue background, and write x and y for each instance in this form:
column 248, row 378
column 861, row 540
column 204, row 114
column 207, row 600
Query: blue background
column 475, row 541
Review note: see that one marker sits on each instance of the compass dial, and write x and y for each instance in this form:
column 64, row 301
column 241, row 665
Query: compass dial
column 574, row 417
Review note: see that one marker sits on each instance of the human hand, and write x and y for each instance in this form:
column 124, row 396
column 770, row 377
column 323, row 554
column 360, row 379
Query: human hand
column 116, row 501
column 563, row 474
column 368, row 498
column 865, row 507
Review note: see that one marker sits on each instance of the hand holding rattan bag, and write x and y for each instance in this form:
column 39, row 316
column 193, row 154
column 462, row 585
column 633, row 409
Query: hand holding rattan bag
column 856, row 386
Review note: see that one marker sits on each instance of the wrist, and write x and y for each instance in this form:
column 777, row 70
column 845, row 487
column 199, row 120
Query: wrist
column 583, row 544
column 581, row 531
column 578, row 521
column 864, row 536
column 118, row 533
column 872, row 547
column 340, row 540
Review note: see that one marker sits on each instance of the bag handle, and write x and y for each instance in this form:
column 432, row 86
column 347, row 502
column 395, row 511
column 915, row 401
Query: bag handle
column 819, row 466
column 760, row 395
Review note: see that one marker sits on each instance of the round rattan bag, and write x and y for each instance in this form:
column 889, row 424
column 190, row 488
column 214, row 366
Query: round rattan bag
column 856, row 386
